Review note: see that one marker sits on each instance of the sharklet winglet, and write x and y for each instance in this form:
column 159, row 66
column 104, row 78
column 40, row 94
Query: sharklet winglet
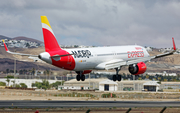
column 174, row 46
column 5, row 46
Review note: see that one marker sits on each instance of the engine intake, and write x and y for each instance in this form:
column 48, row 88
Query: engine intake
column 138, row 68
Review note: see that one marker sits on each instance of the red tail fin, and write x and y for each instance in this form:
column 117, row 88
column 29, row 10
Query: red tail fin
column 50, row 41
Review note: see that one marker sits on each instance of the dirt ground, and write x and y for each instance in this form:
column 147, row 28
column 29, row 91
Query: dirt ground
column 13, row 94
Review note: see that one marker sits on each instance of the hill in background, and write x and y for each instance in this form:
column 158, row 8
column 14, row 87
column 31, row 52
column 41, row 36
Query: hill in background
column 27, row 39
column 21, row 38
column 4, row 37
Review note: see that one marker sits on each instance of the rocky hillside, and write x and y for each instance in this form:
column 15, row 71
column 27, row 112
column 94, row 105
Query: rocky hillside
column 23, row 62
column 4, row 37
column 6, row 63
column 21, row 38
column 27, row 39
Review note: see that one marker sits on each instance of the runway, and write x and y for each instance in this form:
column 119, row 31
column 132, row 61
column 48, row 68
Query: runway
column 70, row 104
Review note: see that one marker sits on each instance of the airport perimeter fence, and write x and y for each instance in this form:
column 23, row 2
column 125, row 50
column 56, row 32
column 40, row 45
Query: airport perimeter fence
column 96, row 95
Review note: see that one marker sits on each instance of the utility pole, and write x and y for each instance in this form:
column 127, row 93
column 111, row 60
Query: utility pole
column 14, row 68
column 133, row 81
column 46, row 74
column 49, row 73
column 89, row 80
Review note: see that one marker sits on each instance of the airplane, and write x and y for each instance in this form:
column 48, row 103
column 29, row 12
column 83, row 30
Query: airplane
column 84, row 60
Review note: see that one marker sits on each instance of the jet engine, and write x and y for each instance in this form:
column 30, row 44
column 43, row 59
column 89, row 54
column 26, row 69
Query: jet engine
column 84, row 72
column 87, row 71
column 138, row 68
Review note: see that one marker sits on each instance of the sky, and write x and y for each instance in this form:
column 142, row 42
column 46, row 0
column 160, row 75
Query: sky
column 95, row 22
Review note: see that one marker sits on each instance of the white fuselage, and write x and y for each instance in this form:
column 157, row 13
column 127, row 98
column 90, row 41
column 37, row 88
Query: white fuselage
column 96, row 58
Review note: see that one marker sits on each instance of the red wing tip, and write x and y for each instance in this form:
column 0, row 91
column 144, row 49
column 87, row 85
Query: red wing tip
column 174, row 46
column 5, row 45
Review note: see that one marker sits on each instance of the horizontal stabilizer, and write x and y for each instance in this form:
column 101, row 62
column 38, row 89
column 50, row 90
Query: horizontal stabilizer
column 22, row 54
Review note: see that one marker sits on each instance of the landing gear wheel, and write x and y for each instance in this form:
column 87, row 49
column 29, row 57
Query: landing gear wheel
column 114, row 77
column 119, row 78
column 82, row 77
column 78, row 77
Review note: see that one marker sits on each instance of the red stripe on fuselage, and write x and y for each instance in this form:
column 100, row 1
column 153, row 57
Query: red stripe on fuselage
column 66, row 62
column 50, row 41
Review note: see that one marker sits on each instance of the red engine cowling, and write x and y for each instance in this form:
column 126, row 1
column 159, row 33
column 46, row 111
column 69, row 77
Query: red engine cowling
column 138, row 68
column 87, row 71
column 84, row 72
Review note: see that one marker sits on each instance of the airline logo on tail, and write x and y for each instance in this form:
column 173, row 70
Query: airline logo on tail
column 49, row 36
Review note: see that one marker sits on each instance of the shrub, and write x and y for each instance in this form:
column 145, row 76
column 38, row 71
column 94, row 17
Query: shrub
column 9, row 76
column 2, row 84
column 170, row 88
column 17, row 85
column 108, row 95
column 23, row 85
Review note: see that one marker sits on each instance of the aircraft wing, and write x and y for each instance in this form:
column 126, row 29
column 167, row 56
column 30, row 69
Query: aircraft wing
column 166, row 54
column 116, row 64
column 22, row 54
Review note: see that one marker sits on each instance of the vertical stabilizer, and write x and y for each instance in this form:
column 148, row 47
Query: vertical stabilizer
column 50, row 41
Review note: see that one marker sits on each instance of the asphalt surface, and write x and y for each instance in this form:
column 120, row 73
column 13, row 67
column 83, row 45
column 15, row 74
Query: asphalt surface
column 70, row 104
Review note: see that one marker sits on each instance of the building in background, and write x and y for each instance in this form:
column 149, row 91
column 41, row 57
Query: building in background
column 104, row 84
column 92, row 84
column 28, row 82
column 108, row 85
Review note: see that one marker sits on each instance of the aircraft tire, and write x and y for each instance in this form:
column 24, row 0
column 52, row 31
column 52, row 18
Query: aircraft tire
column 114, row 77
column 82, row 77
column 119, row 77
column 78, row 77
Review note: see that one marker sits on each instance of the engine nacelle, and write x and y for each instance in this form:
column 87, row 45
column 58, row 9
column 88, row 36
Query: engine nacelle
column 138, row 68
column 84, row 72
column 87, row 71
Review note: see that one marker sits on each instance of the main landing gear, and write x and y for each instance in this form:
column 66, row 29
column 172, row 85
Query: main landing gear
column 117, row 77
column 80, row 76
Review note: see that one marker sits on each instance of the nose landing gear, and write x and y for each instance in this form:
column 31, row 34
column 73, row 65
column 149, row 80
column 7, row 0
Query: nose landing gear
column 80, row 76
